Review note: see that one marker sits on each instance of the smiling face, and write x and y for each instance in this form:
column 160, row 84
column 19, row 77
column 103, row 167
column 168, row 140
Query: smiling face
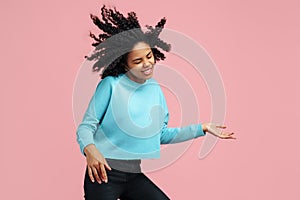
column 140, row 63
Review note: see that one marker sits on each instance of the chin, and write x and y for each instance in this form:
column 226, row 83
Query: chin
column 148, row 76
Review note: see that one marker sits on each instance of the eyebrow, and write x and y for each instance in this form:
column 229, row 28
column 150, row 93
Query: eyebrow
column 136, row 59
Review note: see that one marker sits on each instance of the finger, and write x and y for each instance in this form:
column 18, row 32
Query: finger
column 229, row 137
column 96, row 175
column 103, row 173
column 91, row 174
column 228, row 134
column 220, row 126
column 107, row 166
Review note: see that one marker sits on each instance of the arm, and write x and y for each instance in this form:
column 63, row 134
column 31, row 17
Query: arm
column 96, row 163
column 175, row 135
column 178, row 134
column 94, row 113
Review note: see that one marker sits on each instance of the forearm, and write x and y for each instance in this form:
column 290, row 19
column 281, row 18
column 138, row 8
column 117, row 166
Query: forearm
column 85, row 136
column 176, row 135
column 94, row 114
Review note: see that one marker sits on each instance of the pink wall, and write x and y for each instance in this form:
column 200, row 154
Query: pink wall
column 255, row 45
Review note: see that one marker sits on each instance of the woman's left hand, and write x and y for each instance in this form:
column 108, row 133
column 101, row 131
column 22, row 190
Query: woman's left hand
column 215, row 129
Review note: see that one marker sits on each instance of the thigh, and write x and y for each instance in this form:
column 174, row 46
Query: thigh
column 104, row 191
column 141, row 187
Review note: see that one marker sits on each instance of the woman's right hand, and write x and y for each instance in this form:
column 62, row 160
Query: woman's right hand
column 96, row 164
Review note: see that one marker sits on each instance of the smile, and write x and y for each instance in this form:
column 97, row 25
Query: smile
column 148, row 71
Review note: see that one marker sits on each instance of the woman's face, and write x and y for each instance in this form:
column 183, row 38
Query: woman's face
column 140, row 63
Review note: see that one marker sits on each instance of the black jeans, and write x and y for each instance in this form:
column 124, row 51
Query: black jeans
column 123, row 186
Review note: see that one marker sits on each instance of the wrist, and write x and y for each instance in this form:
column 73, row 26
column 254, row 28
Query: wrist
column 89, row 148
column 204, row 127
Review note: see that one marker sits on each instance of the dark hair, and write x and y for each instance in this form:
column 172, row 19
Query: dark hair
column 119, row 36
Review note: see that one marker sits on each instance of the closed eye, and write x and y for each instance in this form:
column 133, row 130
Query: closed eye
column 139, row 60
column 149, row 55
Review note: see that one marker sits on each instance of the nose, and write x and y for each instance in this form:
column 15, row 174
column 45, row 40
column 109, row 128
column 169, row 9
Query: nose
column 147, row 64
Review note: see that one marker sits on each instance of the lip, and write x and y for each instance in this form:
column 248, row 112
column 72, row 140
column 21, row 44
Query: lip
column 148, row 71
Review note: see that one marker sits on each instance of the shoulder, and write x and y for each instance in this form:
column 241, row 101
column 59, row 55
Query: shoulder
column 107, row 84
column 108, row 81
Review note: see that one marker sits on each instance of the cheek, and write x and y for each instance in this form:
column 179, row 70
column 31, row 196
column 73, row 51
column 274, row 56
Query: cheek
column 135, row 67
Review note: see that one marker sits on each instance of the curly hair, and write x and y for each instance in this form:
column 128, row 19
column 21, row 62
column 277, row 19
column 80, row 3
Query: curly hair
column 119, row 36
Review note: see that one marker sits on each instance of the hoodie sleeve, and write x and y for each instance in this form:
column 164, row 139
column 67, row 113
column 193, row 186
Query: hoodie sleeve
column 177, row 134
column 94, row 113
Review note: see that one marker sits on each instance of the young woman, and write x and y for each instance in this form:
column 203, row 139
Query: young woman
column 127, row 117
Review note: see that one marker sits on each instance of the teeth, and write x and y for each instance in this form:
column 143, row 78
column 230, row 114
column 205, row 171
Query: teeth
column 148, row 71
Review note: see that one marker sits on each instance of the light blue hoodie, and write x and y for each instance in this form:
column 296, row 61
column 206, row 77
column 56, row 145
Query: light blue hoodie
column 128, row 120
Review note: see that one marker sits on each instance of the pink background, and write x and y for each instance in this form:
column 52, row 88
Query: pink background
column 255, row 45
